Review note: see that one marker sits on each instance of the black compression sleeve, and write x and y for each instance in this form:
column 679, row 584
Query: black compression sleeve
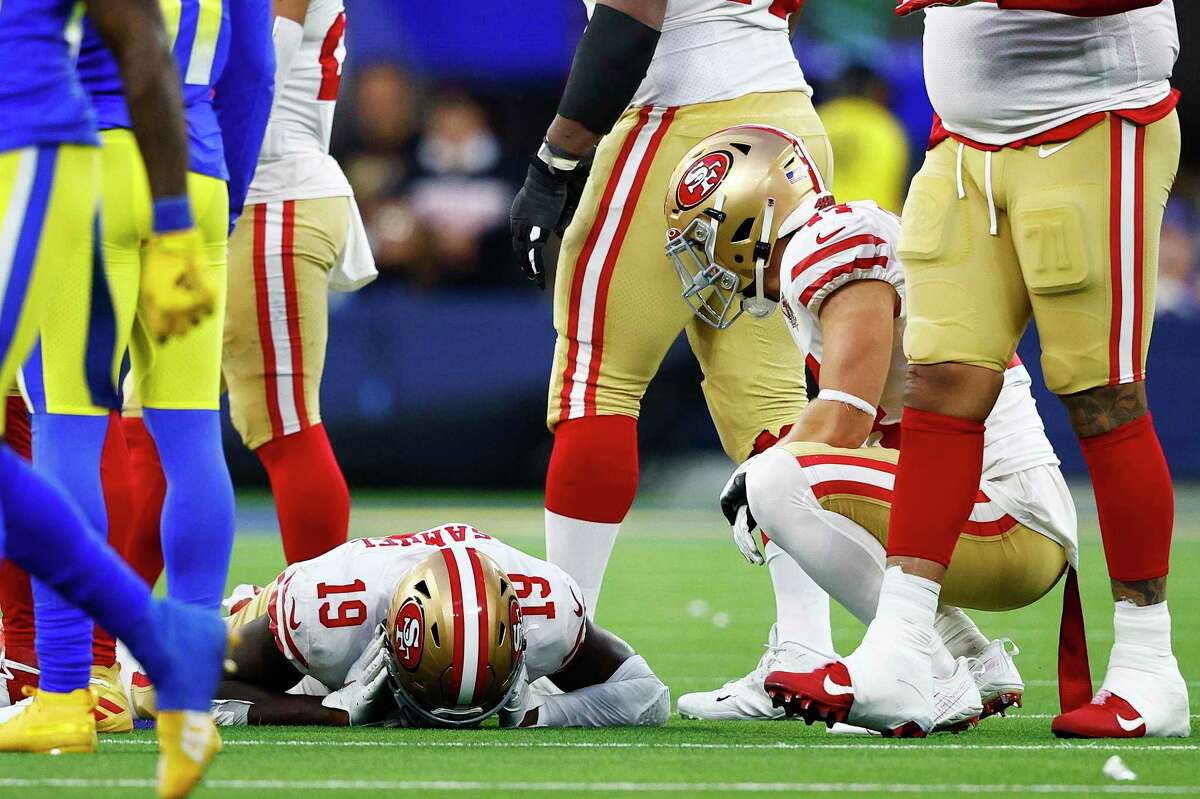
column 610, row 63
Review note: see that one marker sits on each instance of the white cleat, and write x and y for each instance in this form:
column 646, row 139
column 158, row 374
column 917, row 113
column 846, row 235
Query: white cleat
column 1000, row 684
column 957, row 704
column 745, row 699
column 1143, row 694
column 886, row 685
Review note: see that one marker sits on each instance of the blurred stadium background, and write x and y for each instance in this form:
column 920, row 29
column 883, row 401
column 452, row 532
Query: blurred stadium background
column 437, row 373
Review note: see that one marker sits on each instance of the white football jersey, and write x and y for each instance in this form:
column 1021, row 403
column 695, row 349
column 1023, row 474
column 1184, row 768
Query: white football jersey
column 326, row 610
column 856, row 241
column 294, row 163
column 714, row 50
column 996, row 76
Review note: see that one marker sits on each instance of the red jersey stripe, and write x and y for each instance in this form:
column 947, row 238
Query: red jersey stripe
column 848, row 243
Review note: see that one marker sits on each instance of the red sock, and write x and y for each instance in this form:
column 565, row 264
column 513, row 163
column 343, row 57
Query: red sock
column 593, row 472
column 18, row 433
column 117, row 480
column 941, row 462
column 16, row 597
column 311, row 497
column 143, row 547
column 1134, row 498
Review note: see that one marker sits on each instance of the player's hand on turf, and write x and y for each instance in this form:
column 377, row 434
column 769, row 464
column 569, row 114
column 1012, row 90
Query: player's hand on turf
column 544, row 205
column 177, row 292
column 366, row 682
column 906, row 7
column 736, row 507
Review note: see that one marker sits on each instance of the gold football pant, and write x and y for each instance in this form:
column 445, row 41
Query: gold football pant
column 1067, row 233
column 277, row 319
column 828, row 508
column 617, row 304
column 49, row 260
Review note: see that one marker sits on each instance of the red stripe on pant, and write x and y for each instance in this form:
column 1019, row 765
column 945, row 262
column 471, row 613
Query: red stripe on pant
column 610, row 261
column 580, row 266
column 262, row 297
column 1114, row 248
column 1139, row 246
column 292, row 304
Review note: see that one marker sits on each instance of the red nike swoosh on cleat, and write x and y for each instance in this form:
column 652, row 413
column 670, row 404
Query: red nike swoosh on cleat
column 822, row 239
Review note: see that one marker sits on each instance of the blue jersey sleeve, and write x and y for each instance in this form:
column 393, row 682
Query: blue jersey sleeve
column 243, row 95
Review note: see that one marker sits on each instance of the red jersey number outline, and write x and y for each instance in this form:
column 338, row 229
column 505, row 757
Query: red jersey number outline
column 524, row 585
column 350, row 612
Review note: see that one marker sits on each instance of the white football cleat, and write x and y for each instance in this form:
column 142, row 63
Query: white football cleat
column 1143, row 694
column 886, row 685
column 745, row 699
column 957, row 704
column 1000, row 684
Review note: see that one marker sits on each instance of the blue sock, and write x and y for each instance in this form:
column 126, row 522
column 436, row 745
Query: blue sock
column 198, row 512
column 67, row 449
column 47, row 536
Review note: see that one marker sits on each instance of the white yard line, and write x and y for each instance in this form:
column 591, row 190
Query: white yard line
column 611, row 787
column 784, row 745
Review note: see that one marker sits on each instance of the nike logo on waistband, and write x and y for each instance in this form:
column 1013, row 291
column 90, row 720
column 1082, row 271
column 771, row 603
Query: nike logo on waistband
column 1044, row 153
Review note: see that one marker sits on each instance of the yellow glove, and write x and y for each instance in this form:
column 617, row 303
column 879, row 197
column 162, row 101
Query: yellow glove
column 177, row 292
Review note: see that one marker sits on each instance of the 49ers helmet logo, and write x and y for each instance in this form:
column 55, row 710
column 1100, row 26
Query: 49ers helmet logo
column 409, row 640
column 702, row 178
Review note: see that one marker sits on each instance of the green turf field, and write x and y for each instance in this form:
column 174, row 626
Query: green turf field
column 681, row 594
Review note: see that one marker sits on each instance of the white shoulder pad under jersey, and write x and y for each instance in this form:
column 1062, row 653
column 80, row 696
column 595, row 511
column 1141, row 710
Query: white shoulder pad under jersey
column 325, row 611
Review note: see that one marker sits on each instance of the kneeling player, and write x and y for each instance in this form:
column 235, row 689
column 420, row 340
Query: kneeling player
column 445, row 627
column 823, row 493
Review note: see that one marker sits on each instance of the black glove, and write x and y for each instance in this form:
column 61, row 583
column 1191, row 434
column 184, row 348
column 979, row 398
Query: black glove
column 735, row 504
column 733, row 496
column 544, row 205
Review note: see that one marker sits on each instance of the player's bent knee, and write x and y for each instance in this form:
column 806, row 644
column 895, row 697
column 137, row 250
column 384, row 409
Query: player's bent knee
column 955, row 389
column 779, row 493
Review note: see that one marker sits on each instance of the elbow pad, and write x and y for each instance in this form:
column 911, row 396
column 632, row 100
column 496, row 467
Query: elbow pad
column 632, row 696
column 610, row 63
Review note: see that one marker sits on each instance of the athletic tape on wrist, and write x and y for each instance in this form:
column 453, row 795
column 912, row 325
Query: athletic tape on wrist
column 830, row 395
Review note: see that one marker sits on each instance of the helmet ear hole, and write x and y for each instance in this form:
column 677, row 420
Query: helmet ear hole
column 741, row 147
column 502, row 633
column 433, row 630
column 743, row 230
column 423, row 588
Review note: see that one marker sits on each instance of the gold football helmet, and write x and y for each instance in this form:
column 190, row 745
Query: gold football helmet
column 455, row 634
column 727, row 203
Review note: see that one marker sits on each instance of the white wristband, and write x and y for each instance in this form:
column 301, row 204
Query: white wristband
column 858, row 403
